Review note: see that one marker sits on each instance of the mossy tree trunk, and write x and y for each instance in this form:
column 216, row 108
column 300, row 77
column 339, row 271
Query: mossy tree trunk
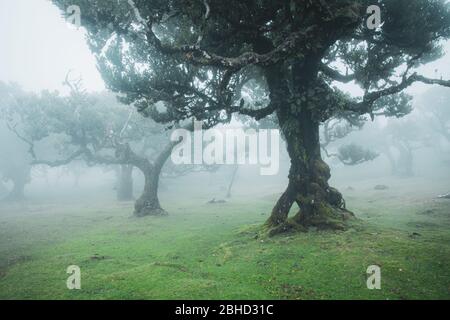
column 320, row 205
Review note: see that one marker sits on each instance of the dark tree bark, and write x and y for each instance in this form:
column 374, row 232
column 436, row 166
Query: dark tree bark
column 148, row 203
column 125, row 183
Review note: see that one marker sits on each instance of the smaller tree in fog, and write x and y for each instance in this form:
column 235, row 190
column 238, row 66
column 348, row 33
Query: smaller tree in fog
column 94, row 128
column 402, row 138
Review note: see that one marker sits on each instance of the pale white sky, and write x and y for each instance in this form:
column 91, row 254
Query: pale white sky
column 39, row 48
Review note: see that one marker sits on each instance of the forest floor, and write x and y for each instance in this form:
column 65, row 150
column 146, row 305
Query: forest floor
column 211, row 251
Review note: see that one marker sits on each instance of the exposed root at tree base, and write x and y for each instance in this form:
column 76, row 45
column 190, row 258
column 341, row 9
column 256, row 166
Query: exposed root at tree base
column 329, row 219
column 145, row 212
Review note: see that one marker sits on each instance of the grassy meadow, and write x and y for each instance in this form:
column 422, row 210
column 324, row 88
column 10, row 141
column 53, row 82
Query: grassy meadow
column 217, row 251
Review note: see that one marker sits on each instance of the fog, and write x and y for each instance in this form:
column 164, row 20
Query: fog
column 71, row 151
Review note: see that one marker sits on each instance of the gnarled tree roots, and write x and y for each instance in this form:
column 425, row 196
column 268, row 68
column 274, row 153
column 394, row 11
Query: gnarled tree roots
column 323, row 209
column 320, row 216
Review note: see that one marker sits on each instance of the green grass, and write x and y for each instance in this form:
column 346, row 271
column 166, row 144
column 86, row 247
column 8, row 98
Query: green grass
column 206, row 251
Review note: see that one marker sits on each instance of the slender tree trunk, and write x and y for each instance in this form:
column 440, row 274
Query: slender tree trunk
column 148, row 203
column 392, row 161
column 233, row 178
column 125, row 183
column 405, row 160
column 77, row 176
